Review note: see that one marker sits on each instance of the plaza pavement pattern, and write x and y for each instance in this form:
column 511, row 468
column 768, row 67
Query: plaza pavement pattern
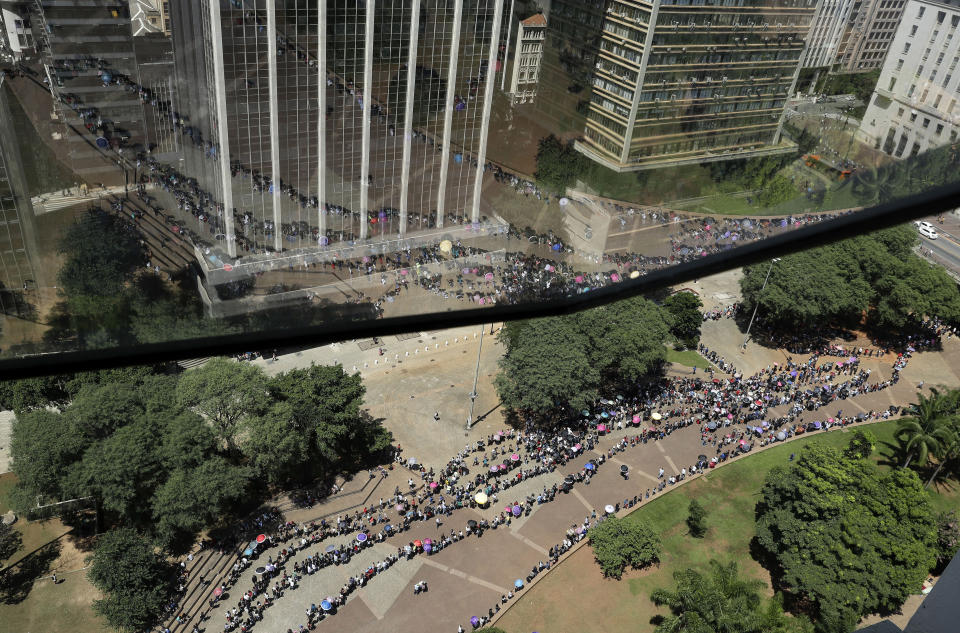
column 469, row 576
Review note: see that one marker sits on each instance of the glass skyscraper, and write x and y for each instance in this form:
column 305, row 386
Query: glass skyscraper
column 336, row 121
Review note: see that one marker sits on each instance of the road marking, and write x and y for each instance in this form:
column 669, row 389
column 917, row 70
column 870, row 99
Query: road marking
column 530, row 543
column 468, row 577
column 660, row 447
column 672, row 465
column 576, row 493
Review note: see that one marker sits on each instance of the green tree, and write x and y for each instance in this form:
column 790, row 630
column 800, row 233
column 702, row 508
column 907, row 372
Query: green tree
column 558, row 164
column 44, row 445
column 721, row 601
column 99, row 410
column 10, row 541
column 697, row 519
column 192, row 498
column 226, row 393
column 876, row 185
column 776, row 190
column 122, row 471
column 861, row 445
column 101, row 255
column 624, row 340
column 547, row 368
column 136, row 581
column 277, row 447
column 845, row 537
column 619, row 542
column 687, row 318
column 948, row 537
column 928, row 431
column 31, row 393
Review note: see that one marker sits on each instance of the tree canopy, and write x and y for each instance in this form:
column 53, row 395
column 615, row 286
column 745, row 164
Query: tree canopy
column 558, row 164
column 556, row 366
column 136, row 580
column 844, row 537
column 684, row 307
column 722, row 602
column 618, row 543
column 875, row 274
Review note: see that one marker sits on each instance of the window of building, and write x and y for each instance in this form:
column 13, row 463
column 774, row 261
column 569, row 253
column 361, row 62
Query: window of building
column 946, row 80
column 893, row 81
column 906, row 48
column 900, row 113
column 926, row 123
column 941, row 16
column 939, row 129
column 913, row 89
column 913, row 117
column 913, row 30
column 899, row 64
column 921, row 12
column 923, row 97
column 936, row 102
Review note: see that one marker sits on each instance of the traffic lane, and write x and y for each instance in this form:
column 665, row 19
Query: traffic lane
column 946, row 247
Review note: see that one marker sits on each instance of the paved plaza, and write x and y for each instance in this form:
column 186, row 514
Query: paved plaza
column 468, row 577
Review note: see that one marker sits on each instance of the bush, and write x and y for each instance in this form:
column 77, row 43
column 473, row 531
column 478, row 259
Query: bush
column 697, row 519
column 617, row 543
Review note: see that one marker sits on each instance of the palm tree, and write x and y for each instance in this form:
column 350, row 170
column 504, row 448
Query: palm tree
column 720, row 602
column 950, row 448
column 928, row 431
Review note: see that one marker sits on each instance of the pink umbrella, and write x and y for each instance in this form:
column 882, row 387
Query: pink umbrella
column 636, row 419
column 399, row 507
column 729, row 416
column 403, row 271
column 550, row 268
column 218, row 591
column 614, row 277
column 488, row 276
column 466, row 271
column 577, row 447
column 502, row 467
column 427, row 541
column 830, row 420
column 433, row 484
column 483, row 300
column 578, row 279
column 853, row 359
column 515, row 457
column 601, row 428
column 366, row 260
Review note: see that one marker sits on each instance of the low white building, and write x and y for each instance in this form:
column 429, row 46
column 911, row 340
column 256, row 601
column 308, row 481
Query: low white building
column 916, row 105
column 16, row 36
column 524, row 70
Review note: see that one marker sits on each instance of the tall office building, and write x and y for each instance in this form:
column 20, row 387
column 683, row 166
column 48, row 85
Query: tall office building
column 916, row 105
column 524, row 58
column 359, row 119
column 871, row 27
column 689, row 81
column 84, row 45
column 17, row 235
column 826, row 33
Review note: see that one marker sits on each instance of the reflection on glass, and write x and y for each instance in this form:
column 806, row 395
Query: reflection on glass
column 188, row 168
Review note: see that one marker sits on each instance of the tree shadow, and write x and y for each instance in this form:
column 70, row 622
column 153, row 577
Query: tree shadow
column 17, row 581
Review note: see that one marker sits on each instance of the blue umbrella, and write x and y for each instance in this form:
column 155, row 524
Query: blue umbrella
column 589, row 466
column 361, row 537
column 326, row 606
column 604, row 414
column 388, row 528
column 557, row 247
column 331, row 548
column 248, row 552
column 518, row 583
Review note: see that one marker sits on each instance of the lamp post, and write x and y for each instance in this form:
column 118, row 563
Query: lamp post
column 476, row 378
column 743, row 346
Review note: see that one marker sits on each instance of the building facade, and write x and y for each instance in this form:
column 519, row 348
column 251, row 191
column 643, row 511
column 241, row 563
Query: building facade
column 916, row 105
column 16, row 35
column 690, row 81
column 826, row 33
column 348, row 119
column 527, row 57
column 867, row 39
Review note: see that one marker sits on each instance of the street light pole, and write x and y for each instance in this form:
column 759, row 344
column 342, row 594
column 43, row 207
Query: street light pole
column 476, row 378
column 750, row 325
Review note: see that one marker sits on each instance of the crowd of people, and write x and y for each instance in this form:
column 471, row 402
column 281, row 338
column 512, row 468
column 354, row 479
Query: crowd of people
column 732, row 413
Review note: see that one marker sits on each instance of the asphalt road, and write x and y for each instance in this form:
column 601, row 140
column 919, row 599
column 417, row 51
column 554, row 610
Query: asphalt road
column 946, row 249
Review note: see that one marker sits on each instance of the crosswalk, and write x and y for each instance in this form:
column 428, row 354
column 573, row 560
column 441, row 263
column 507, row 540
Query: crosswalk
column 55, row 200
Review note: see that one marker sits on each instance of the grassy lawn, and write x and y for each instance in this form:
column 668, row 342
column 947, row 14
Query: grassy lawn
column 725, row 204
column 687, row 357
column 729, row 494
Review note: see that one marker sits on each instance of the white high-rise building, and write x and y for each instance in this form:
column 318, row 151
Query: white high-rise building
column 826, row 33
column 916, row 105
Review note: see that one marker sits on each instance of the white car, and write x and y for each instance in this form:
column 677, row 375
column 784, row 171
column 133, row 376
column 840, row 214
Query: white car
column 928, row 231
column 923, row 224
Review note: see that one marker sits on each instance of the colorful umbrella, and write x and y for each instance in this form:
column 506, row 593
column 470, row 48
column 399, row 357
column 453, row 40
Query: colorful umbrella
column 481, row 498
column 656, row 416
column 218, row 592
column 325, row 605
column 518, row 584
column 361, row 537
column 433, row 485
column 608, row 509
column 261, row 538
column 516, row 511
column 515, row 457
column 590, row 466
